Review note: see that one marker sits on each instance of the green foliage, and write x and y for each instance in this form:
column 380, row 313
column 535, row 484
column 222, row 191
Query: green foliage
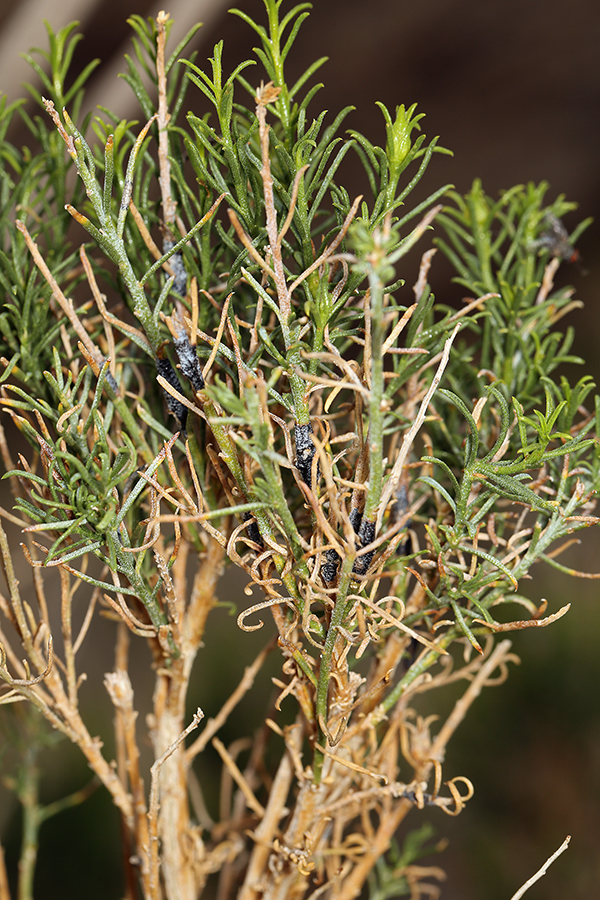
column 393, row 875
column 513, row 453
column 34, row 188
column 493, row 248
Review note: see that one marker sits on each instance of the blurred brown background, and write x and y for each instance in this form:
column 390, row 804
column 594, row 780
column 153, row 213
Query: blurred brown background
column 513, row 88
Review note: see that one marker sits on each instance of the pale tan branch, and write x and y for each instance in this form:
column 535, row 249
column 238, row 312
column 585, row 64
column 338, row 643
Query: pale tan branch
column 245, row 239
column 499, row 655
column 330, row 250
column 213, row 725
column 153, row 857
column 4, row 888
column 164, row 165
column 543, row 870
column 238, row 777
column 408, row 439
column 65, row 304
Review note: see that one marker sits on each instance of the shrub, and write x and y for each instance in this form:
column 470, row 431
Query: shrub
column 242, row 378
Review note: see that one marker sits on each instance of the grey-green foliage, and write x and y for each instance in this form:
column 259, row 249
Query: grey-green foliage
column 33, row 188
column 512, row 340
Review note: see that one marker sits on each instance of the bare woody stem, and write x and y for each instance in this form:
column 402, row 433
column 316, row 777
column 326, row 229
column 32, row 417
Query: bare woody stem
column 265, row 95
column 154, row 890
column 164, row 178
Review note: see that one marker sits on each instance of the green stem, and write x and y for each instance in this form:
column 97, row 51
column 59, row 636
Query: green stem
column 376, row 396
column 339, row 614
column 283, row 101
column 29, row 797
column 418, row 668
column 133, row 429
column 229, row 454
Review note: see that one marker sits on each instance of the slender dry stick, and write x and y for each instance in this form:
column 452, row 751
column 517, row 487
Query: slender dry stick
column 65, row 619
column 65, row 304
column 120, row 691
column 246, row 241
column 139, row 337
column 4, row 889
column 473, row 304
column 292, row 207
column 543, row 870
column 7, row 652
column 227, row 783
column 548, row 280
column 168, row 204
column 352, row 765
column 87, row 621
column 397, row 329
column 524, row 623
column 331, row 382
column 217, row 339
column 268, row 94
column 238, row 777
column 330, row 250
column 267, row 829
column 10, row 517
column 421, row 282
column 499, row 655
column 6, row 459
column 213, row 725
column 147, row 237
column 408, row 439
column 178, row 396
column 12, row 583
column 127, row 838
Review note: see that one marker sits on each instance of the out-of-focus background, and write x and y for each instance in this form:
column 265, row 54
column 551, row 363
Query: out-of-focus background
column 513, row 88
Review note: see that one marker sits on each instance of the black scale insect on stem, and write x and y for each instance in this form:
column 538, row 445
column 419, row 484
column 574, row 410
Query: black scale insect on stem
column 177, row 267
column 166, row 370
column 252, row 530
column 330, row 567
column 365, row 532
column 366, row 536
column 305, row 452
column 189, row 364
column 112, row 382
column 556, row 240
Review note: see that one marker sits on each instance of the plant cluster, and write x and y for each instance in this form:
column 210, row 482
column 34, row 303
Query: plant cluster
column 229, row 368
